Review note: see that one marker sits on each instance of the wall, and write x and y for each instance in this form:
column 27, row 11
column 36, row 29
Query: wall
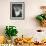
column 27, row 26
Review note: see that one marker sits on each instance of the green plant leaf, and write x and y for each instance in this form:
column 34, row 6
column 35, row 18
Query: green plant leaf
column 10, row 31
column 40, row 18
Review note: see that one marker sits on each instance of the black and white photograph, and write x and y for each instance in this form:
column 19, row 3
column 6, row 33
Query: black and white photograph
column 17, row 10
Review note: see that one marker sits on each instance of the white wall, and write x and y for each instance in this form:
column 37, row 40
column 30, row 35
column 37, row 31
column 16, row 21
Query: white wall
column 27, row 26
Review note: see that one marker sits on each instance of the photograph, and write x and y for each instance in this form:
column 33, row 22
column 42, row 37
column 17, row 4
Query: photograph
column 17, row 10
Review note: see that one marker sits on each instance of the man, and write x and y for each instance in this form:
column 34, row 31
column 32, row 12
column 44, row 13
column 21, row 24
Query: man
column 17, row 10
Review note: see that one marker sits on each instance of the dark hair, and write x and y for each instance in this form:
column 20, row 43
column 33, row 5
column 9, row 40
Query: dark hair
column 42, row 7
column 17, row 5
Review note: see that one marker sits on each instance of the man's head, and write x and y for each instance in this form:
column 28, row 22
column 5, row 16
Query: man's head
column 43, row 8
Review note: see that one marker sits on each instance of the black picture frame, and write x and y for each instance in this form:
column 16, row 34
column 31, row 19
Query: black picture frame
column 17, row 10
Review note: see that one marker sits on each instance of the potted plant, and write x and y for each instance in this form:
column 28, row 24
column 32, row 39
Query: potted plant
column 42, row 17
column 10, row 31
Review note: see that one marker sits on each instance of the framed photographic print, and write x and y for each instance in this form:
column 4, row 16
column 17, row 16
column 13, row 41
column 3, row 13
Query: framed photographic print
column 17, row 10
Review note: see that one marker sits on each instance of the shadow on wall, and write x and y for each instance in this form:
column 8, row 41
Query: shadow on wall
column 34, row 22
